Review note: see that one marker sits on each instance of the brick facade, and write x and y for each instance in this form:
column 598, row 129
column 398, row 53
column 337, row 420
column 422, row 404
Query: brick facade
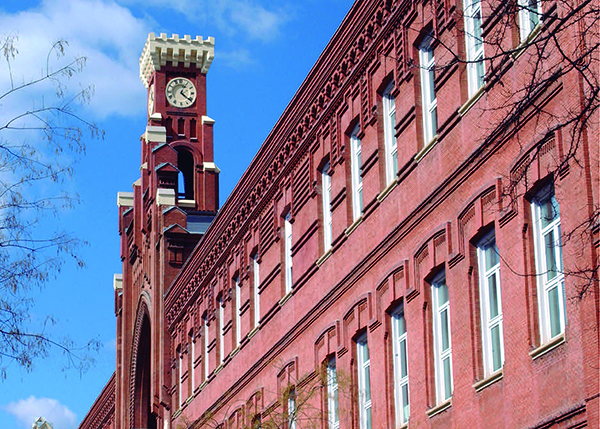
column 235, row 341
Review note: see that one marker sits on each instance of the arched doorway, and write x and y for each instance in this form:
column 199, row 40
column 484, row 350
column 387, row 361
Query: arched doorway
column 143, row 418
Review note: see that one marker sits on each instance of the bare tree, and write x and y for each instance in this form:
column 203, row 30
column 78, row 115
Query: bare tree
column 41, row 136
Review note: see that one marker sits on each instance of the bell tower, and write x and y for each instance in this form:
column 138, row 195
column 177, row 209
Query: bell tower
column 161, row 221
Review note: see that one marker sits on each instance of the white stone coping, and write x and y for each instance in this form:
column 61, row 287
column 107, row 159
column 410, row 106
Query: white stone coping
column 155, row 134
column 125, row 199
column 118, row 282
column 160, row 49
column 211, row 166
column 165, row 197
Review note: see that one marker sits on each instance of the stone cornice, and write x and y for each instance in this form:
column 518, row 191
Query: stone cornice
column 162, row 49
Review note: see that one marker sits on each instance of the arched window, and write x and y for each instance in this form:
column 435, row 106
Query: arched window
column 185, row 183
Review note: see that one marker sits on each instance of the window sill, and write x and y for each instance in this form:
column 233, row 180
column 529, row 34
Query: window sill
column 419, row 156
column 235, row 351
column 285, row 298
column 549, row 346
column 467, row 106
column 489, row 380
column 524, row 43
column 253, row 331
column 439, row 408
column 323, row 258
column 354, row 225
column 386, row 191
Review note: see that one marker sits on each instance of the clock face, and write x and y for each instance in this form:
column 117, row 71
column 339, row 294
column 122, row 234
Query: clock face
column 151, row 100
column 181, row 92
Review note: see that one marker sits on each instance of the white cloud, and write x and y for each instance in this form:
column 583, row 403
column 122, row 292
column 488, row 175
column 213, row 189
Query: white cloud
column 236, row 59
column 248, row 17
column 106, row 33
column 28, row 410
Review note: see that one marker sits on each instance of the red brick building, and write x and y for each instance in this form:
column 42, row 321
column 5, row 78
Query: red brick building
column 411, row 246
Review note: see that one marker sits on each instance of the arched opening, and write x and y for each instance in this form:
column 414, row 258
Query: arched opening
column 185, row 164
column 143, row 417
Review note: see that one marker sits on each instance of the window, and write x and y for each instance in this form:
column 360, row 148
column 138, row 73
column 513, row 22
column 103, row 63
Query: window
column 491, row 304
column 291, row 409
column 399, row 335
column 326, row 191
column 474, row 42
column 389, row 134
column 206, row 344
column 288, row 252
column 256, row 281
column 185, row 164
column 356, row 170
column 192, row 359
column 180, row 375
column 238, row 316
column 364, row 382
column 428, row 97
column 332, row 395
column 530, row 13
column 220, row 304
column 549, row 264
column 441, row 338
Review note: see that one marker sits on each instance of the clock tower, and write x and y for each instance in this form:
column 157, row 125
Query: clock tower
column 161, row 221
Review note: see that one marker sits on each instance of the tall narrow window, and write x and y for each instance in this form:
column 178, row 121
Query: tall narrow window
column 256, row 284
column 356, row 170
column 364, row 382
column 192, row 360
column 332, row 395
column 428, row 97
column 185, row 164
column 206, row 345
column 389, row 134
column 238, row 316
column 291, row 409
column 326, row 191
column 549, row 264
column 491, row 304
column 288, row 252
column 441, row 338
column 399, row 336
column 474, row 42
column 530, row 13
column 180, row 376
column 220, row 304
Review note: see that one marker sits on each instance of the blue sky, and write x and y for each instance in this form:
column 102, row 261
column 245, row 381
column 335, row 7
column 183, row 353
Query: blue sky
column 264, row 50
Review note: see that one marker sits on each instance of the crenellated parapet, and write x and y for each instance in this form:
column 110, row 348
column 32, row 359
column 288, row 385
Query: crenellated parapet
column 187, row 51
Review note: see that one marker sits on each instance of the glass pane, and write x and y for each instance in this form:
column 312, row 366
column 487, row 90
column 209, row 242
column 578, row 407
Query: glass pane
column 368, row 418
column 480, row 73
column 442, row 293
column 550, row 255
column 533, row 13
column 477, row 29
column 335, row 417
column 445, row 330
column 549, row 211
column 400, row 324
column 496, row 348
column 493, row 296
column 434, row 122
column 367, row 384
column 405, row 408
column 554, row 311
column 491, row 256
column 447, row 378
column 559, row 246
column 403, row 365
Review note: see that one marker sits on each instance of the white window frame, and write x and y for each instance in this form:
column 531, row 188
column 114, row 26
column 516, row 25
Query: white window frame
column 206, row 347
column 552, row 324
column 256, row 281
column 364, row 381
column 474, row 45
column 530, row 16
column 333, row 416
column 220, row 304
column 490, row 293
column 291, row 408
column 428, row 96
column 389, row 134
column 288, row 252
column 192, row 358
column 399, row 348
column 180, row 375
column 442, row 352
column 356, row 173
column 327, row 219
column 238, row 316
